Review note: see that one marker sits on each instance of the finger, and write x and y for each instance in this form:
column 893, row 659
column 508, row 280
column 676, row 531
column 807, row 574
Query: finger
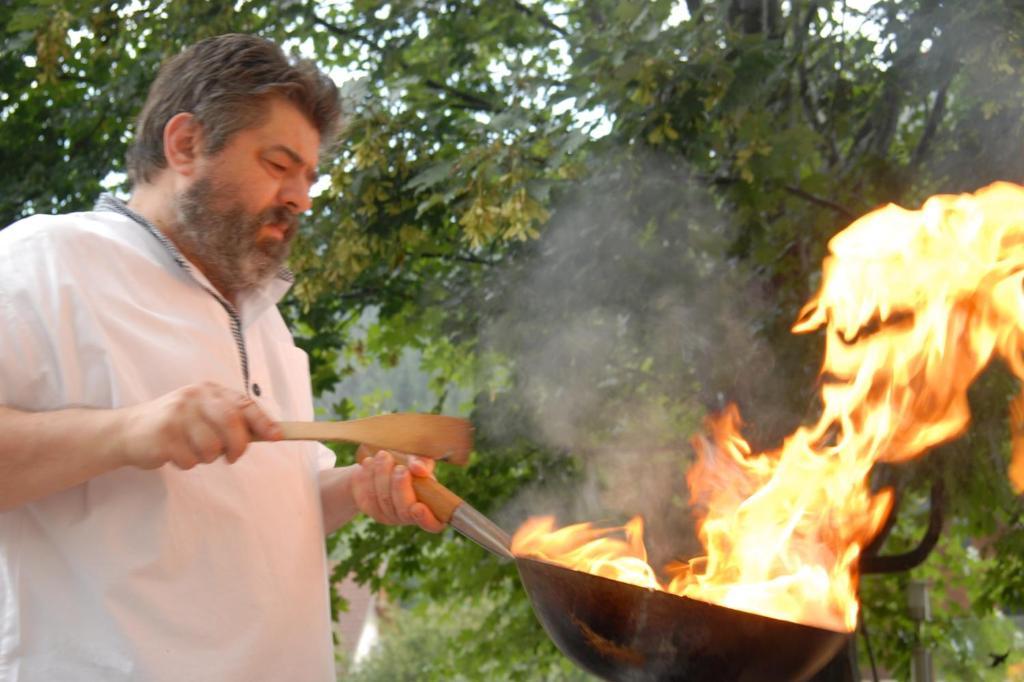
column 259, row 424
column 203, row 440
column 235, row 429
column 383, row 467
column 425, row 518
column 363, row 453
column 223, row 414
column 421, row 466
column 184, row 461
column 402, row 494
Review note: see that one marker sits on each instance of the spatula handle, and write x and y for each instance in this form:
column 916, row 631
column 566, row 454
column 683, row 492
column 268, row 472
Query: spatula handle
column 452, row 509
column 441, row 501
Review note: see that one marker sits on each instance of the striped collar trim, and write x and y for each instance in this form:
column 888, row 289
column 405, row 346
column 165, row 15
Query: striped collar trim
column 108, row 202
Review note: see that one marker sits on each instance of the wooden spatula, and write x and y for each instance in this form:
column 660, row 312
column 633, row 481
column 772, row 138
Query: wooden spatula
column 429, row 435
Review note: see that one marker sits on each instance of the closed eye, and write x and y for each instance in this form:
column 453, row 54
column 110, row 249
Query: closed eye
column 277, row 166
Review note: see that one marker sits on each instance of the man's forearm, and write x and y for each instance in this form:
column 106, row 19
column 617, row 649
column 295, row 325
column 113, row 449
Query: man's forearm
column 336, row 498
column 45, row 452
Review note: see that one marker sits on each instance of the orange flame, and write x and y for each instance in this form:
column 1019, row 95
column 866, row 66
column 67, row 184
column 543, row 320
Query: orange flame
column 914, row 304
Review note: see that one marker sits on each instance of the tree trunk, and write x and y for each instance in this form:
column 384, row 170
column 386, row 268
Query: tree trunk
column 756, row 16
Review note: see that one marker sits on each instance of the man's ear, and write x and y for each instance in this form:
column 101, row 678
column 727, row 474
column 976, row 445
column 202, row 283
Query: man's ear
column 183, row 140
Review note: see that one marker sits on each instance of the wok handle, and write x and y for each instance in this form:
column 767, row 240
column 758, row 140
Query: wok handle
column 441, row 501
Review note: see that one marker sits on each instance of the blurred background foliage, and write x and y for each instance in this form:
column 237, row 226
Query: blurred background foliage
column 585, row 225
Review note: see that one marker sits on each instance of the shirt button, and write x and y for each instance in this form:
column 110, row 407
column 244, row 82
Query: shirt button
column 256, row 391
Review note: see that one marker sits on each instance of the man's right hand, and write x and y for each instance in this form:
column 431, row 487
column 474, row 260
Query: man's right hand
column 193, row 425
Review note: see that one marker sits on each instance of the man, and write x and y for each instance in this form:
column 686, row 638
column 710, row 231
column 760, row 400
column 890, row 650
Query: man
column 144, row 534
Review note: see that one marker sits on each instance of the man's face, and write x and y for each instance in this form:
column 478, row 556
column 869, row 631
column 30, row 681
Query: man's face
column 227, row 240
column 237, row 218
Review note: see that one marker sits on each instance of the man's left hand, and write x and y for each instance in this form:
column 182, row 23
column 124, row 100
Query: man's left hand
column 382, row 489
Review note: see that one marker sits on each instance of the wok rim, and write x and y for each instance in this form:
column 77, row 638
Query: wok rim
column 724, row 609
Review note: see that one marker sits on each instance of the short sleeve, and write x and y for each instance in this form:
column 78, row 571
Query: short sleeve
column 27, row 379
column 325, row 457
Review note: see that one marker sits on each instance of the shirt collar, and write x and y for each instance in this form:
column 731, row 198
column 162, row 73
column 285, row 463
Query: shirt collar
column 269, row 293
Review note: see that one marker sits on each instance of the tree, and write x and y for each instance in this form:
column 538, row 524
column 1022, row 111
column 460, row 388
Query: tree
column 602, row 219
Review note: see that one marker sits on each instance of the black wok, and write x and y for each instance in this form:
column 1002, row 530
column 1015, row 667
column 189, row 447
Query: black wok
column 619, row 631
column 623, row 632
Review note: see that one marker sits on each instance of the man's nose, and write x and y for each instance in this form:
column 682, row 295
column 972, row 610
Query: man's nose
column 295, row 194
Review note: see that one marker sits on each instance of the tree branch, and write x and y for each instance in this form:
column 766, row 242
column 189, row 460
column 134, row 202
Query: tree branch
column 88, row 138
column 540, row 17
column 810, row 112
column 348, row 34
column 882, row 120
column 472, row 101
column 804, row 87
column 930, row 128
column 814, row 199
column 464, row 258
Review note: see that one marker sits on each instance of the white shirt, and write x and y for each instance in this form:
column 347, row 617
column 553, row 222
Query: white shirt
column 217, row 573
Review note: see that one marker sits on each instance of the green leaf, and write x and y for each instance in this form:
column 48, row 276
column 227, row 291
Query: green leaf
column 27, row 18
column 431, row 175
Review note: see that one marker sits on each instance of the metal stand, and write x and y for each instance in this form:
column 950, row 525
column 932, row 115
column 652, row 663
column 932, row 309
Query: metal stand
column 920, row 612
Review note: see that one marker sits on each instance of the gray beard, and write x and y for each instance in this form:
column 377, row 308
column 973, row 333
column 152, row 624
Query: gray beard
column 223, row 242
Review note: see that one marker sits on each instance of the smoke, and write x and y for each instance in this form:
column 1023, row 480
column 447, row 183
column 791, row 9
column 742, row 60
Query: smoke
column 626, row 322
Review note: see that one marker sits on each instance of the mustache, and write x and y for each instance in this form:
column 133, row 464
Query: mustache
column 279, row 215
